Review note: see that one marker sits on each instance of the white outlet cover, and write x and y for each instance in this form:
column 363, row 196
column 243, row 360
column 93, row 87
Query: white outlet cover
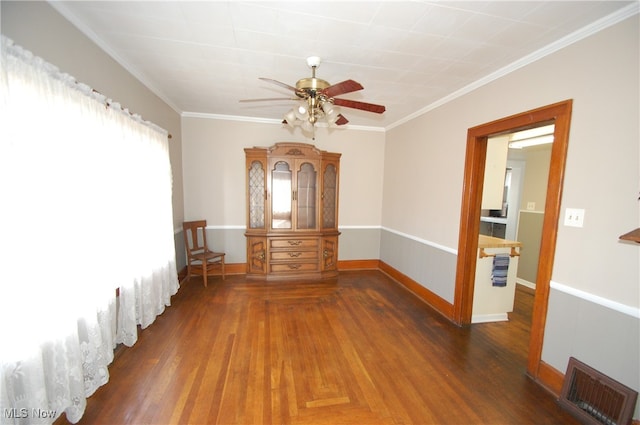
column 574, row 217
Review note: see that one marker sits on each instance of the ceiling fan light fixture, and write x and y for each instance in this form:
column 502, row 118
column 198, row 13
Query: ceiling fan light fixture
column 307, row 126
column 330, row 112
column 290, row 118
column 302, row 110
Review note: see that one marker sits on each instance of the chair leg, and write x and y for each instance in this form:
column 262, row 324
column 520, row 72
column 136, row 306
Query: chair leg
column 205, row 272
column 222, row 263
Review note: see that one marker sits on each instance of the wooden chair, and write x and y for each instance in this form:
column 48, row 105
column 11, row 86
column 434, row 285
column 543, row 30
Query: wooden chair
column 200, row 260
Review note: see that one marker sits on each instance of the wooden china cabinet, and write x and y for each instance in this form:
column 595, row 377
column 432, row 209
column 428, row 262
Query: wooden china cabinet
column 292, row 212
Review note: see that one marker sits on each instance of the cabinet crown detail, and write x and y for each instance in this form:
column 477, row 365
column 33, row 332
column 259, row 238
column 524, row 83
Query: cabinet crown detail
column 294, row 152
column 292, row 211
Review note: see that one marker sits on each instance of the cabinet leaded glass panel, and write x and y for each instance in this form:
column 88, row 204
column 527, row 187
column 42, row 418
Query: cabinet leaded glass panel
column 257, row 191
column 329, row 190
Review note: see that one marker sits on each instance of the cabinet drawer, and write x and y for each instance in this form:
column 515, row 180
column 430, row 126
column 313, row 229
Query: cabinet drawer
column 294, row 267
column 294, row 255
column 294, row 243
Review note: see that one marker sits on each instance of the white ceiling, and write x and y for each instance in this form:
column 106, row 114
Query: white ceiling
column 203, row 57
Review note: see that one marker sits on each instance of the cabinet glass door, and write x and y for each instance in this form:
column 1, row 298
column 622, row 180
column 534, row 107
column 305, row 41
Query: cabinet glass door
column 256, row 195
column 329, row 190
column 281, row 196
column 306, row 197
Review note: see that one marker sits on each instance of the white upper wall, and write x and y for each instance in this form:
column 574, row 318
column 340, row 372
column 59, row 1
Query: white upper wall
column 424, row 158
column 214, row 168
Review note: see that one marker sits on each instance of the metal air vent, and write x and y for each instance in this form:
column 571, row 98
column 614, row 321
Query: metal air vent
column 594, row 398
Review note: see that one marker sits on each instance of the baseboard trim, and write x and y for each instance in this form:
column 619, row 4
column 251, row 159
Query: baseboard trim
column 487, row 318
column 550, row 378
column 439, row 304
column 343, row 265
column 358, row 265
column 526, row 283
column 229, row 269
column 235, row 268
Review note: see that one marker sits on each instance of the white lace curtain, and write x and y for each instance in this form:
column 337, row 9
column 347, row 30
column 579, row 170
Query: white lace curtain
column 85, row 205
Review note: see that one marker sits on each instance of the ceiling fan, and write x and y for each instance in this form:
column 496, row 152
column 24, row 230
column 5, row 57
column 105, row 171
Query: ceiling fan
column 316, row 100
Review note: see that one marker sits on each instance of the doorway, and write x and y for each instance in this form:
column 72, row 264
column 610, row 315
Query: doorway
column 560, row 115
column 513, row 202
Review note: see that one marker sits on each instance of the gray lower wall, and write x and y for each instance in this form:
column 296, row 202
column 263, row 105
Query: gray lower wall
column 431, row 266
column 601, row 336
column 359, row 243
column 230, row 241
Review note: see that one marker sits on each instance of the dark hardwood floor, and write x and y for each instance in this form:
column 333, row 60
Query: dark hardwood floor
column 358, row 349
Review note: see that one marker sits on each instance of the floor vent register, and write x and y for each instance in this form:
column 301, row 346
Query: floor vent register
column 594, row 398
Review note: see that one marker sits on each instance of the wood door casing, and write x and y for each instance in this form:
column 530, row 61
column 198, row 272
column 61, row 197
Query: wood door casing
column 560, row 114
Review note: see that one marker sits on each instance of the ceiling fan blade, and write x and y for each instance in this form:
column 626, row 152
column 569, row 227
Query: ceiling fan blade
column 276, row 82
column 341, row 120
column 369, row 107
column 346, row 86
column 266, row 99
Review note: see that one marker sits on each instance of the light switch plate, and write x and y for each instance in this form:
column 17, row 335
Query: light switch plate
column 574, row 217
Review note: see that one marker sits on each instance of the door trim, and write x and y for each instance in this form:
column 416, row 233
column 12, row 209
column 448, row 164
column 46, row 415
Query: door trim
column 560, row 114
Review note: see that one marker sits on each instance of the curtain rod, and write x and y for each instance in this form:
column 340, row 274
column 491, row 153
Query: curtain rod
column 110, row 104
column 9, row 47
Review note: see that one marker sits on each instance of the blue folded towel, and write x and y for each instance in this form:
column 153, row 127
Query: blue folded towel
column 500, row 270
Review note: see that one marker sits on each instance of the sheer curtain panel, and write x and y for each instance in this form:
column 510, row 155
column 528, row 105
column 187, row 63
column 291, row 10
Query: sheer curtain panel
column 85, row 193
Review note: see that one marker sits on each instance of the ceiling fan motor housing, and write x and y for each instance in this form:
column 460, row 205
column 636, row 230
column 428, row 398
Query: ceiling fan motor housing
column 313, row 84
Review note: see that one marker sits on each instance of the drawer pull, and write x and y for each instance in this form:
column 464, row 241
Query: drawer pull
column 294, row 243
column 325, row 253
column 295, row 254
column 294, row 266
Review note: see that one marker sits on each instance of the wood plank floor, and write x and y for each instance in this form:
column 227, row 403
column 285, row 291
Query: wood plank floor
column 358, row 349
